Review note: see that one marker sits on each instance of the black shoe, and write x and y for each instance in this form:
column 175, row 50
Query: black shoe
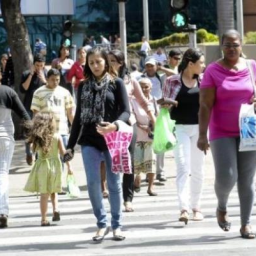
column 161, row 178
column 62, row 193
column 29, row 159
column 3, row 221
column 56, row 216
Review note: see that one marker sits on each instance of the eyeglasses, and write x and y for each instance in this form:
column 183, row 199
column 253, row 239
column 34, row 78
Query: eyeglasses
column 176, row 58
column 231, row 45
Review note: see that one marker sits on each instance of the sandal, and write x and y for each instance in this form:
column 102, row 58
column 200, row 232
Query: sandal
column 3, row 221
column 197, row 215
column 99, row 238
column 151, row 193
column 45, row 223
column 117, row 235
column 136, row 189
column 128, row 207
column 247, row 233
column 224, row 225
column 184, row 216
column 105, row 194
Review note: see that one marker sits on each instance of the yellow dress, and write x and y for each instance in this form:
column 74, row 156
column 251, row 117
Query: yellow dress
column 45, row 176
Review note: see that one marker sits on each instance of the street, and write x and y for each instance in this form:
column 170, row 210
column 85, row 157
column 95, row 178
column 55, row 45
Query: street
column 152, row 229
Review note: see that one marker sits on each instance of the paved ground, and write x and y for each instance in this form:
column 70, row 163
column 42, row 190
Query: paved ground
column 152, row 229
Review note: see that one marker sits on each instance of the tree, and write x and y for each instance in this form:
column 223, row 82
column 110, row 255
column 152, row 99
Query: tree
column 18, row 41
column 225, row 13
column 17, row 38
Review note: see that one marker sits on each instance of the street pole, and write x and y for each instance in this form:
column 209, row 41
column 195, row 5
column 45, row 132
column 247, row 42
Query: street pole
column 192, row 36
column 145, row 19
column 122, row 27
column 240, row 18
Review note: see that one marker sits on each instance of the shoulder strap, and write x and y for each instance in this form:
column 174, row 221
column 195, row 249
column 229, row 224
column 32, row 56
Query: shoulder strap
column 249, row 64
column 155, row 107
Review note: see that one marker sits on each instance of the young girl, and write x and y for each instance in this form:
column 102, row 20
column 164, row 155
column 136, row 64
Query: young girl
column 45, row 177
column 144, row 157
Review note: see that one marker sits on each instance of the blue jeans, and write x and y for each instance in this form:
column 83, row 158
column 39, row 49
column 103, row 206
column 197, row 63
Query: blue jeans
column 92, row 158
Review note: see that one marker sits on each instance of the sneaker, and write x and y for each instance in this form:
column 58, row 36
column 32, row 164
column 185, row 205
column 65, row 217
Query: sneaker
column 29, row 159
column 161, row 178
column 56, row 216
column 3, row 221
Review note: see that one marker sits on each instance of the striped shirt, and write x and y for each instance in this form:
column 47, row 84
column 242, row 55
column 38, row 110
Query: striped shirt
column 57, row 101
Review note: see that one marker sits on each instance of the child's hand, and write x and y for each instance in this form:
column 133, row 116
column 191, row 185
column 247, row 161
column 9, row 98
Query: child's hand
column 70, row 172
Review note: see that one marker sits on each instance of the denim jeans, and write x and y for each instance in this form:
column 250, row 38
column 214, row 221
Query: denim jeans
column 6, row 153
column 92, row 158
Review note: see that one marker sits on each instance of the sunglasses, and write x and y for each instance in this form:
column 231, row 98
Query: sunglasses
column 231, row 45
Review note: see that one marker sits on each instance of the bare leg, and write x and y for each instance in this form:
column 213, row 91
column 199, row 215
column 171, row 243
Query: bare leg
column 54, row 200
column 44, row 206
column 151, row 177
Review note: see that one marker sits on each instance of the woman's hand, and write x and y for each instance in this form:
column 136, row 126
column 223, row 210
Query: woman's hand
column 253, row 100
column 68, row 155
column 105, row 127
column 168, row 106
column 203, row 143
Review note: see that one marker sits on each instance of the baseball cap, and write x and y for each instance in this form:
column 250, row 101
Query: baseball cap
column 150, row 60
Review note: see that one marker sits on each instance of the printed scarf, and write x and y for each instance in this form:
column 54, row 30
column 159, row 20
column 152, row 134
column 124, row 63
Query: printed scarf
column 93, row 98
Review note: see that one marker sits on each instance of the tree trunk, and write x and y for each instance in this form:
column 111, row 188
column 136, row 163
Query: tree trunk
column 18, row 41
column 225, row 13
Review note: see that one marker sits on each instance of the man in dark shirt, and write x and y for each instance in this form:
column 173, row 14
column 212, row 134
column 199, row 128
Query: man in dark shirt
column 31, row 80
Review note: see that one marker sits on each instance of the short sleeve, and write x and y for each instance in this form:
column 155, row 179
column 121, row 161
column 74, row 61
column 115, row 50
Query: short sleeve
column 36, row 103
column 208, row 81
column 69, row 101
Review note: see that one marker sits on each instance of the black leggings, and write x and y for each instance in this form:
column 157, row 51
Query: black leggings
column 128, row 179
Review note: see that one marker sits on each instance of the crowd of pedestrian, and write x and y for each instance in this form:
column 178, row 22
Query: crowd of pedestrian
column 82, row 101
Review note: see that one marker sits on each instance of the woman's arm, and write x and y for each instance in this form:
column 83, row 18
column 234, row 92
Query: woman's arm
column 76, row 126
column 141, row 99
column 18, row 107
column 207, row 99
column 62, row 152
column 122, row 101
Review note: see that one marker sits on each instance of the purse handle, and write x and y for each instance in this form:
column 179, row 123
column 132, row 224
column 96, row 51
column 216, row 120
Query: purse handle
column 249, row 65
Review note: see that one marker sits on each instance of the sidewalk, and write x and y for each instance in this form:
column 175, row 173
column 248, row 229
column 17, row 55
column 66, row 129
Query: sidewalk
column 20, row 170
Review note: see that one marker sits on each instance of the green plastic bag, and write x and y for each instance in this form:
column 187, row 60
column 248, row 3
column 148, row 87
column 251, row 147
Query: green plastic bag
column 164, row 139
column 73, row 189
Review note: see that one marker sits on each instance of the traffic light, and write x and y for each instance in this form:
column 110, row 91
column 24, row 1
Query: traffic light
column 179, row 16
column 67, row 33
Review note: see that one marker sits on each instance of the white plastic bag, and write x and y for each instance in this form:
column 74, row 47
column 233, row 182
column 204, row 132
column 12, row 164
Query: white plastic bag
column 73, row 189
column 247, row 126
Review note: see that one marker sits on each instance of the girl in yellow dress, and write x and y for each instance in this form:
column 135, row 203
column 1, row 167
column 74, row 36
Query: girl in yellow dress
column 45, row 177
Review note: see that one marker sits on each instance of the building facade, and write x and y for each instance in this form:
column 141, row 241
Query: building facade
column 100, row 17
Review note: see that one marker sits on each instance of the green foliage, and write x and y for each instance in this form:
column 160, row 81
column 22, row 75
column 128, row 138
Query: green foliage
column 250, row 37
column 177, row 39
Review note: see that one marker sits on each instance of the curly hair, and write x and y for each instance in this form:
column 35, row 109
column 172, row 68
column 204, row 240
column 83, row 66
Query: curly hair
column 41, row 131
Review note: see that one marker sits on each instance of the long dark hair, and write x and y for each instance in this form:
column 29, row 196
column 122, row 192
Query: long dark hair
column 59, row 52
column 103, row 53
column 123, row 70
column 191, row 54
